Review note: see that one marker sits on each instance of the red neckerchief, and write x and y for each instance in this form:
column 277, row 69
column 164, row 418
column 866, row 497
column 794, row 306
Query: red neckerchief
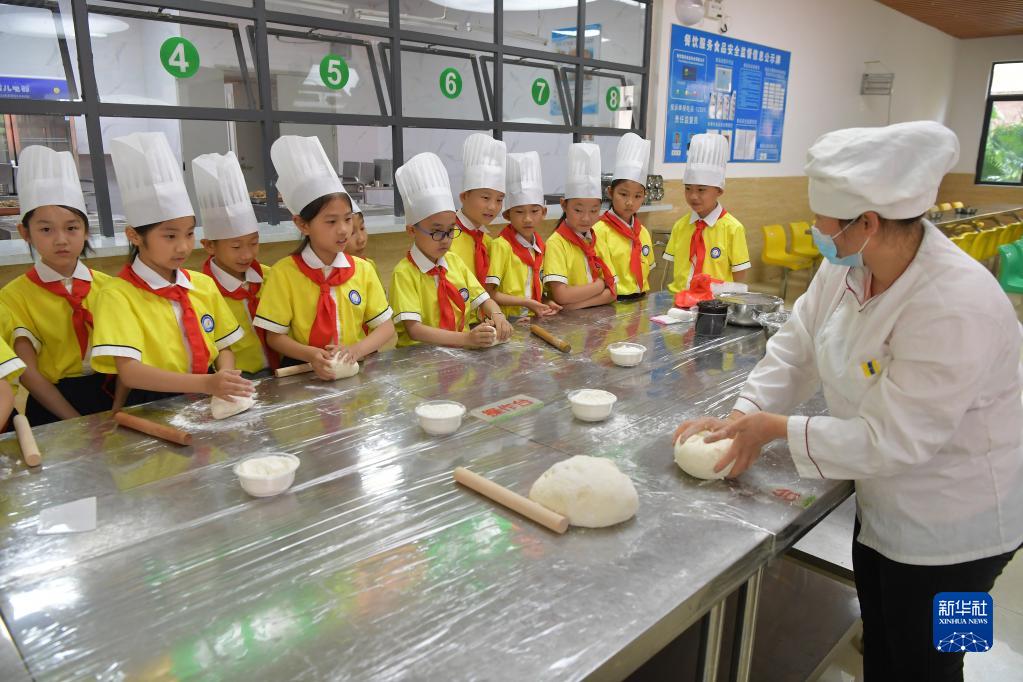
column 697, row 249
column 324, row 329
column 633, row 235
column 481, row 259
column 189, row 320
column 531, row 259
column 81, row 318
column 598, row 268
column 251, row 298
column 447, row 294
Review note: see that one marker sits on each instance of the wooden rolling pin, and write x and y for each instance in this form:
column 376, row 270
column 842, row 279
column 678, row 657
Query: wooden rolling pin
column 151, row 428
column 517, row 503
column 294, row 369
column 29, row 449
column 560, row 344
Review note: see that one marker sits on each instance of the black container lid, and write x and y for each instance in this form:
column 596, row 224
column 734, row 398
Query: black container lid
column 713, row 307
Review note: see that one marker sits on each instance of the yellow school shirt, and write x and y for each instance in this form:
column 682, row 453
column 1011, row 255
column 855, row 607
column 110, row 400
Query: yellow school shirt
column 11, row 365
column 289, row 298
column 138, row 324
column 45, row 320
column 249, row 355
column 566, row 263
column 725, row 241
column 510, row 275
column 464, row 246
column 619, row 256
column 414, row 293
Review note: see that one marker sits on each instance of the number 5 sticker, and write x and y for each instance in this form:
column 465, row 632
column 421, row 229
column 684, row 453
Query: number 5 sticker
column 450, row 83
column 179, row 57
column 334, row 71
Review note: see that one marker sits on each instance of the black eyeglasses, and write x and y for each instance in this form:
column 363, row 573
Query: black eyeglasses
column 441, row 236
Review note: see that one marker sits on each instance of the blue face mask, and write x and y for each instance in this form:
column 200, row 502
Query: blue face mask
column 826, row 245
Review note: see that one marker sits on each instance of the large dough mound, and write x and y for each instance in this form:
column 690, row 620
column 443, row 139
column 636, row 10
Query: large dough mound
column 698, row 459
column 343, row 370
column 590, row 491
column 222, row 409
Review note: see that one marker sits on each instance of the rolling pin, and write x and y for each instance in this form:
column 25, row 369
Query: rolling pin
column 517, row 503
column 560, row 344
column 29, row 449
column 150, row 428
column 294, row 369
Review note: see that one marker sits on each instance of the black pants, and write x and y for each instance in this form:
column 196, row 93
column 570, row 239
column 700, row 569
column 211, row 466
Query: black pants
column 88, row 394
column 896, row 604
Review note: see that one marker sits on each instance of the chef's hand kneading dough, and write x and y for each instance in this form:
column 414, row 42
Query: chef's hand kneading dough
column 222, row 409
column 341, row 369
column 698, row 458
column 590, row 491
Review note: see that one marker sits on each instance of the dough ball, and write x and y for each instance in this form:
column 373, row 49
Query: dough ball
column 698, row 459
column 590, row 491
column 341, row 369
column 222, row 409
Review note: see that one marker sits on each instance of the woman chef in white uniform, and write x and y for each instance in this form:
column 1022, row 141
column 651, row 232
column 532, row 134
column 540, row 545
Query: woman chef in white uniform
column 918, row 353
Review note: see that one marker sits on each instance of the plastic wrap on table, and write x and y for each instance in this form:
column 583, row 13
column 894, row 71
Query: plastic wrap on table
column 375, row 565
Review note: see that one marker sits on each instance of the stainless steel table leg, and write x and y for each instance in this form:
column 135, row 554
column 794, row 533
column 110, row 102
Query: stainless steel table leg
column 746, row 626
column 713, row 625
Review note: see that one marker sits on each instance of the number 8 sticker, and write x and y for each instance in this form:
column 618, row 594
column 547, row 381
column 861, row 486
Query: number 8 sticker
column 179, row 57
column 614, row 98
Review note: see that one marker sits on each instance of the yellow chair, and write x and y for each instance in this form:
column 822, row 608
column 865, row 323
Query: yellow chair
column 775, row 253
column 965, row 241
column 957, row 204
column 802, row 241
column 945, row 206
column 1015, row 232
column 1004, row 237
column 985, row 245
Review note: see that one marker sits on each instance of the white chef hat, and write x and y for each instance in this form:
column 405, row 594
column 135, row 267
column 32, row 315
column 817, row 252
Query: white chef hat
column 48, row 178
column 424, row 187
column 583, row 180
column 525, row 183
column 304, row 173
column 149, row 177
column 706, row 160
column 484, row 160
column 632, row 159
column 894, row 170
column 223, row 198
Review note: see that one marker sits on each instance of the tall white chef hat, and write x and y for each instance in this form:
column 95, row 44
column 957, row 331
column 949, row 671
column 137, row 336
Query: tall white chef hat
column 149, row 177
column 424, row 187
column 706, row 160
column 525, row 183
column 484, row 160
column 48, row 178
column 304, row 173
column 583, row 181
column 632, row 159
column 894, row 170
column 223, row 198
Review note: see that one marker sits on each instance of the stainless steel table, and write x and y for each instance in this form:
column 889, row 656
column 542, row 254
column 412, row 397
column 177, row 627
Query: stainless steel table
column 995, row 212
column 375, row 564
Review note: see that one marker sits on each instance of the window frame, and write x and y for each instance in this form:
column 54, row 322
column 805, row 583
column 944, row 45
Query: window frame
column 986, row 128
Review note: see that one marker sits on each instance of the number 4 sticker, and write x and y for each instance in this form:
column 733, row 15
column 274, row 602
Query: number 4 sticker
column 179, row 57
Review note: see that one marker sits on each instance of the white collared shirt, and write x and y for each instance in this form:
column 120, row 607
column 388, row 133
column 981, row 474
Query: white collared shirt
column 465, row 223
column 340, row 261
column 49, row 275
column 922, row 384
column 229, row 281
column 711, row 218
column 156, row 281
column 424, row 263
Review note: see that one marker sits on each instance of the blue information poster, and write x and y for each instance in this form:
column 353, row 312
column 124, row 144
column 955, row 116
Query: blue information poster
column 725, row 86
column 14, row 87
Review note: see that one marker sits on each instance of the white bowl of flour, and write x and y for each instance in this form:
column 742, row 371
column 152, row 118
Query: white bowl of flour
column 267, row 475
column 440, row 417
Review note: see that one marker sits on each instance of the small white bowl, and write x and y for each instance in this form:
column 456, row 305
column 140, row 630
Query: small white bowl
column 627, row 354
column 440, row 417
column 591, row 405
column 267, row 486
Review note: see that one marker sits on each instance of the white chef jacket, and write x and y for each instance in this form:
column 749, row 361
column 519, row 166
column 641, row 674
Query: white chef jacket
column 923, row 388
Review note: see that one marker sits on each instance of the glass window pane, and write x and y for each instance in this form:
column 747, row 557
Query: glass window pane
column 35, row 51
column 447, row 144
column 172, row 58
column 534, row 92
column 468, row 19
column 442, row 82
column 548, row 25
column 621, row 25
column 553, row 151
column 1003, row 149
column 359, row 11
column 611, row 100
column 332, row 72
column 1007, row 79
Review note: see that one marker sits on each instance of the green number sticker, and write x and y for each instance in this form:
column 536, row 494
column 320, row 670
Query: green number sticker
column 179, row 57
column 450, row 83
column 613, row 98
column 541, row 91
column 334, row 71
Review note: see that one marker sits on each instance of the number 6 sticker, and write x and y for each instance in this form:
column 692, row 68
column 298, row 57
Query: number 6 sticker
column 179, row 57
column 334, row 71
column 450, row 83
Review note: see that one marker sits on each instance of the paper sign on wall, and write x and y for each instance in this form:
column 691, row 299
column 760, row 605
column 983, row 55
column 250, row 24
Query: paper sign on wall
column 726, row 86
